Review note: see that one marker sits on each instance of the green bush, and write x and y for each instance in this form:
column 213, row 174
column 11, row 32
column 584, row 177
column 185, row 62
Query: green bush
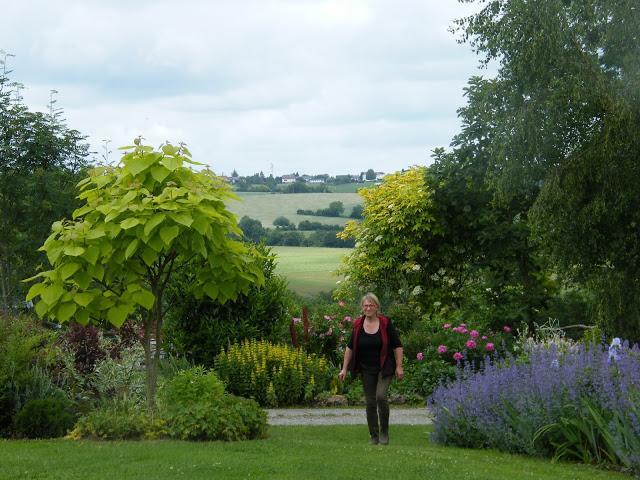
column 422, row 377
column 273, row 375
column 190, row 386
column 44, row 418
column 195, row 407
column 198, row 329
column 119, row 420
column 121, row 377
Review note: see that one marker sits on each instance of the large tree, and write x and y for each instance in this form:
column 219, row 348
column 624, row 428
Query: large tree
column 41, row 160
column 564, row 117
column 140, row 222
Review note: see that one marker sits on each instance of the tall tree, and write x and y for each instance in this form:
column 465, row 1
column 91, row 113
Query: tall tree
column 41, row 160
column 565, row 117
column 140, row 222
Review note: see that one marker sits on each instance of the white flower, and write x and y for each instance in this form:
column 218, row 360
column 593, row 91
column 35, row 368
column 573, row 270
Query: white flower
column 416, row 267
column 378, row 238
column 417, row 290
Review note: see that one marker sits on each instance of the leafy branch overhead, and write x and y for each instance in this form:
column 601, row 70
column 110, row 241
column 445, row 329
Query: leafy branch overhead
column 141, row 221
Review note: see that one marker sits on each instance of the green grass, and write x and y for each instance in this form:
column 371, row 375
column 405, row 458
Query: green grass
column 309, row 269
column 266, row 207
column 318, row 452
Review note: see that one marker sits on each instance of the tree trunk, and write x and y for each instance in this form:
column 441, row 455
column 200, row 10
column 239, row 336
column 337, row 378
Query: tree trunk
column 3, row 286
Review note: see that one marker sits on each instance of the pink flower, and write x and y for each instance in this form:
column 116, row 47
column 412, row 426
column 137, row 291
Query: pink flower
column 446, row 326
column 463, row 325
column 455, row 329
column 458, row 356
column 484, row 337
column 471, row 344
column 341, row 303
column 347, row 319
column 420, row 356
column 442, row 349
column 474, row 333
column 327, row 317
column 296, row 320
column 329, row 332
column 506, row 329
column 463, row 330
column 489, row 347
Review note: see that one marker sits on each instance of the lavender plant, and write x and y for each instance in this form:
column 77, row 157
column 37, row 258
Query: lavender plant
column 509, row 404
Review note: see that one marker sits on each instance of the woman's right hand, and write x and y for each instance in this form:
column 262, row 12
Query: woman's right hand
column 342, row 375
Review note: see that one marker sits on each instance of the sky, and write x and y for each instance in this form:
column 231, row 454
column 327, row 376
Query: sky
column 308, row 86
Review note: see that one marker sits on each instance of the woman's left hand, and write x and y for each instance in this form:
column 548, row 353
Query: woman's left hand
column 399, row 372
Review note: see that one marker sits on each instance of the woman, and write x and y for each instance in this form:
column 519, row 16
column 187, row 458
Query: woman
column 374, row 350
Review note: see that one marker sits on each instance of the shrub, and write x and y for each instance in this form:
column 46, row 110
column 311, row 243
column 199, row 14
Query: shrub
column 273, row 375
column 119, row 419
column 537, row 403
column 423, row 377
column 121, row 377
column 195, row 407
column 44, row 418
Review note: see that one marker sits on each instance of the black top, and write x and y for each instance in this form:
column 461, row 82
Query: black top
column 370, row 344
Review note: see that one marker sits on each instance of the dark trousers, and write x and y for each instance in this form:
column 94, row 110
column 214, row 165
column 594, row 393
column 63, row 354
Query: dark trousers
column 376, row 388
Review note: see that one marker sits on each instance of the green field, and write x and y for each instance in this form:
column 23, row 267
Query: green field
column 266, row 207
column 309, row 269
column 289, row 453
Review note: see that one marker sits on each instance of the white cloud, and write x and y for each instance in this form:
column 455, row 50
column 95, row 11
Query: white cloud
column 314, row 86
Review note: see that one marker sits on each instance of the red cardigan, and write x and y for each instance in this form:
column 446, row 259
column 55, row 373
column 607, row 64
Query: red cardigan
column 384, row 335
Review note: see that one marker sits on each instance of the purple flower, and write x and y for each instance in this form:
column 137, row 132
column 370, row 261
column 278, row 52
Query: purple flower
column 420, row 356
column 442, row 349
column 446, row 326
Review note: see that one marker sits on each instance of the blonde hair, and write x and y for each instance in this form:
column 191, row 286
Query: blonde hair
column 371, row 297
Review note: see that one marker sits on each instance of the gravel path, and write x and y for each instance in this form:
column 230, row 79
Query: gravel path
column 343, row 416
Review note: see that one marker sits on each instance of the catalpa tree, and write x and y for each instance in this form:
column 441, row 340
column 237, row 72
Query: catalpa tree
column 141, row 221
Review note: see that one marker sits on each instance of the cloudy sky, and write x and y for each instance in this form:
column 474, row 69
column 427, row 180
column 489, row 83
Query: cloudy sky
column 312, row 86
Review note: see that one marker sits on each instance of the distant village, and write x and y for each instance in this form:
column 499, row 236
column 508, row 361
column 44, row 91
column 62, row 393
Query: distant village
column 252, row 181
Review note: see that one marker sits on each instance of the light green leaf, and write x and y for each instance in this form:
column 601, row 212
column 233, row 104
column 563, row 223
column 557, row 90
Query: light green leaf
column 156, row 243
column 153, row 222
column 211, row 290
column 65, row 311
column 199, row 246
column 35, row 290
column 83, row 299
column 73, row 250
column 159, row 172
column 41, row 308
column 96, row 232
column 144, row 298
column 69, row 269
column 93, row 252
column 82, row 317
column 171, row 163
column 82, row 211
column 140, row 163
column 131, row 194
column 118, row 314
column 168, row 234
column 129, row 223
column 131, row 249
column 52, row 293
column 83, row 279
column 149, row 256
column 182, row 218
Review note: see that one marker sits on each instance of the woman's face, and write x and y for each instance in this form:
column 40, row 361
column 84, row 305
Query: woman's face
column 369, row 307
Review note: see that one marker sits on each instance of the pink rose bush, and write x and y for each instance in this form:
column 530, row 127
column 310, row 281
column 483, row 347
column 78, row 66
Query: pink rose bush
column 470, row 343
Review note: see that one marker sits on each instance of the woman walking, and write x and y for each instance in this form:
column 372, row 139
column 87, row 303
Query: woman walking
column 374, row 351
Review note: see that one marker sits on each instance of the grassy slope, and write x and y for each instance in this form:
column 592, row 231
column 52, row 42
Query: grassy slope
column 318, row 452
column 309, row 269
column 266, row 207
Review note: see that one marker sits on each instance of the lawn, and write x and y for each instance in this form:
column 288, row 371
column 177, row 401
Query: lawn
column 309, row 269
column 266, row 207
column 319, row 452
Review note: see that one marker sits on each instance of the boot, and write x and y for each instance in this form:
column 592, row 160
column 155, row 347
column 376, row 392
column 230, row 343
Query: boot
column 384, row 437
column 374, row 440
